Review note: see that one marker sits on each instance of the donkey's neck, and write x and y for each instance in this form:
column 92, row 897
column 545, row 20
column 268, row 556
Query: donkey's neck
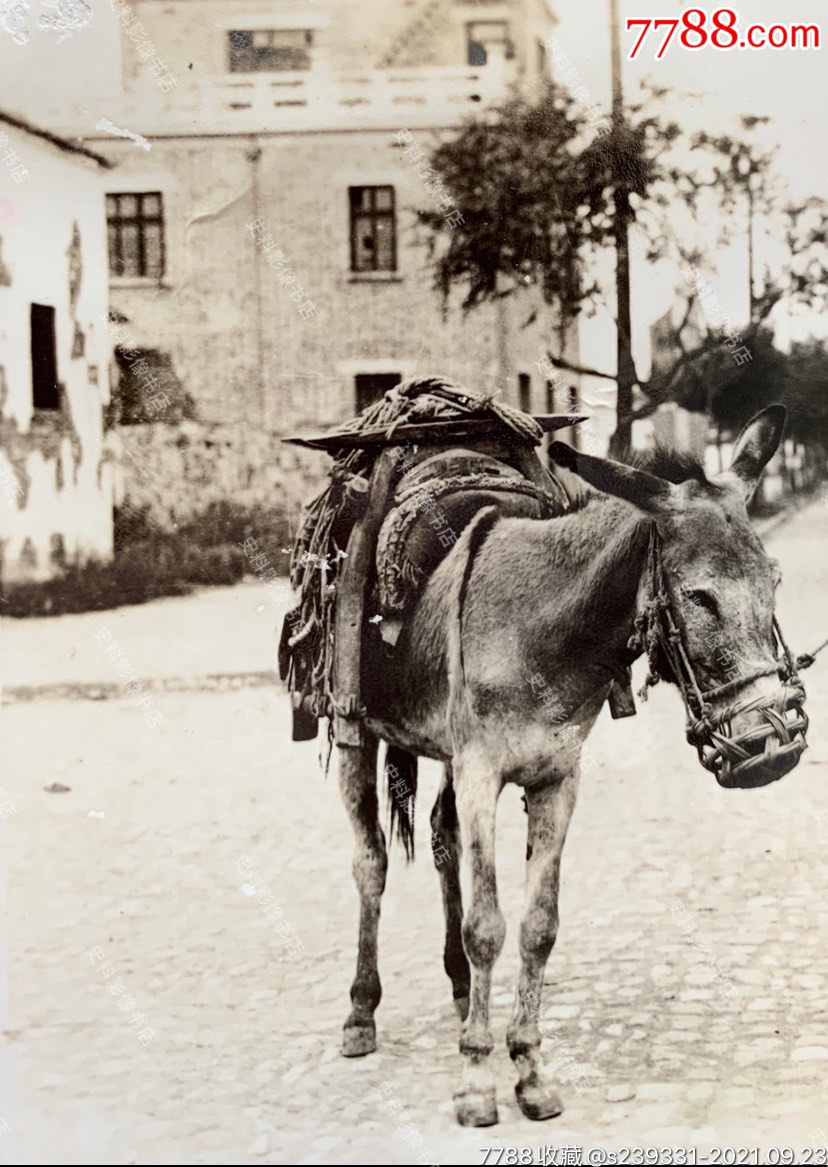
column 595, row 559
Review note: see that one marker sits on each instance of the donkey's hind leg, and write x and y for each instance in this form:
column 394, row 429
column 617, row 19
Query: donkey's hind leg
column 358, row 784
column 445, row 846
column 550, row 809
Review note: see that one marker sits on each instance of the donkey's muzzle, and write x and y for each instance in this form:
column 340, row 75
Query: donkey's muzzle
column 760, row 754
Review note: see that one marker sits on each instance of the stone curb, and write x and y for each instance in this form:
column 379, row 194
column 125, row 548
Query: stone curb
column 112, row 691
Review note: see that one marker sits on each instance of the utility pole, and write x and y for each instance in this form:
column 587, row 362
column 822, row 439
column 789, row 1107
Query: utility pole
column 748, row 162
column 254, row 155
column 621, row 198
column 751, row 284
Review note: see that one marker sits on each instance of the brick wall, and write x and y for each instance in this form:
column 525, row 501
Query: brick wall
column 178, row 470
column 234, row 336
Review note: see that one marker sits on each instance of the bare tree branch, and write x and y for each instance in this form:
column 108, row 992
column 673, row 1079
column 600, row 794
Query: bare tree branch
column 560, row 363
column 646, row 410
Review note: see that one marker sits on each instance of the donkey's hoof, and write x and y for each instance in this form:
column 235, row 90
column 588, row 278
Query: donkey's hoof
column 538, row 1102
column 359, row 1040
column 461, row 1004
column 476, row 1107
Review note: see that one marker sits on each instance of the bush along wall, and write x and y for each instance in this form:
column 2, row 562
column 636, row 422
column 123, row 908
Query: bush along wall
column 150, row 562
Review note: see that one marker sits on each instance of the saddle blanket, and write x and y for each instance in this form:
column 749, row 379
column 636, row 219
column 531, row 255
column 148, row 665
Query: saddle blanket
column 433, row 502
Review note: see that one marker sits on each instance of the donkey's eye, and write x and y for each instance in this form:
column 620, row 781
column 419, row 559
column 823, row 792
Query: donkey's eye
column 704, row 599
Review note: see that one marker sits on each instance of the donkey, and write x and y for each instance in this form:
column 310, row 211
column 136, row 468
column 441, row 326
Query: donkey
column 520, row 598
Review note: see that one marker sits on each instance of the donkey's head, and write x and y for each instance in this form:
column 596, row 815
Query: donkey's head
column 706, row 604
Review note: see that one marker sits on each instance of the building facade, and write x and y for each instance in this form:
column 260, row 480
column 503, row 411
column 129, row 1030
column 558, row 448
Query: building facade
column 264, row 239
column 56, row 472
column 671, row 424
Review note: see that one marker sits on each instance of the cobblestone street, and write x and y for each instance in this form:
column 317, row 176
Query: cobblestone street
column 140, row 858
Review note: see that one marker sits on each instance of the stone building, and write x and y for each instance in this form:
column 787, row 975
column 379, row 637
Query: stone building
column 671, row 424
column 56, row 476
column 263, row 231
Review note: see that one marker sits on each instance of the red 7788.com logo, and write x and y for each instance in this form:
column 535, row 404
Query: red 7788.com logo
column 720, row 30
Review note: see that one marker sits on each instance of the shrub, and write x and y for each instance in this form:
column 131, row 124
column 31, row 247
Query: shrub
column 133, row 404
column 224, row 523
column 142, row 572
column 213, row 565
column 132, row 525
column 149, row 562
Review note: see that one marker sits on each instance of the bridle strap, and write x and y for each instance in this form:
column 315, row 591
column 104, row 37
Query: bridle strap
column 659, row 626
column 740, row 682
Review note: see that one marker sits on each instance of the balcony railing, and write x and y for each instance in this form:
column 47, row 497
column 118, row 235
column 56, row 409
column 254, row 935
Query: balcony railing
column 317, row 100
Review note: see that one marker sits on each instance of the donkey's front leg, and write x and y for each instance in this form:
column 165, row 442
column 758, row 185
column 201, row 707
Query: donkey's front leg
column 550, row 809
column 477, row 787
column 358, row 784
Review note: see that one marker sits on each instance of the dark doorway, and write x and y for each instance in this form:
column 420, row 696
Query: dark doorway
column 45, row 392
column 371, row 386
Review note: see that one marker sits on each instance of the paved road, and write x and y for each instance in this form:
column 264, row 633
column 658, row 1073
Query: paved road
column 702, row 1023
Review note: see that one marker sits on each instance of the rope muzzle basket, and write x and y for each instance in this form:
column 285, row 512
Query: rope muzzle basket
column 758, row 755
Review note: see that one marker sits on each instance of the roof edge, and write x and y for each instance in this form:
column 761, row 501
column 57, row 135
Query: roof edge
column 65, row 144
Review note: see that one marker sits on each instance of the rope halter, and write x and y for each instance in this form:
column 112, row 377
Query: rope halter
column 754, row 757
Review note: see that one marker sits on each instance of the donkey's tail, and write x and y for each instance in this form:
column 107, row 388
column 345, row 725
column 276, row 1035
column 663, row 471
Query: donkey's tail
column 400, row 765
column 470, row 542
column 401, row 780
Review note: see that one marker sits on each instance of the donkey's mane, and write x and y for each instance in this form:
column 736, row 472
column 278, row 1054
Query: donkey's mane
column 614, row 552
column 665, row 462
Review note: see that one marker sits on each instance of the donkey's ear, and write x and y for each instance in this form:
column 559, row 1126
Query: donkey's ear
column 636, row 486
column 754, row 448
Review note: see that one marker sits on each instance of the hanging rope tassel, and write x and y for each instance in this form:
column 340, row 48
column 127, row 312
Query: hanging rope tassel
column 316, row 561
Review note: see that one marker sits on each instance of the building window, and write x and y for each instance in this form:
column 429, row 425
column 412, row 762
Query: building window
column 370, row 387
column 45, row 392
column 136, row 235
column 373, row 228
column 269, row 50
column 483, row 35
column 524, row 392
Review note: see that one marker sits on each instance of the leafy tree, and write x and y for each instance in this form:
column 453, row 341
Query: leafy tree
column 536, row 196
column 737, row 392
column 523, row 187
column 748, row 190
column 806, row 393
column 131, row 401
column 538, row 200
